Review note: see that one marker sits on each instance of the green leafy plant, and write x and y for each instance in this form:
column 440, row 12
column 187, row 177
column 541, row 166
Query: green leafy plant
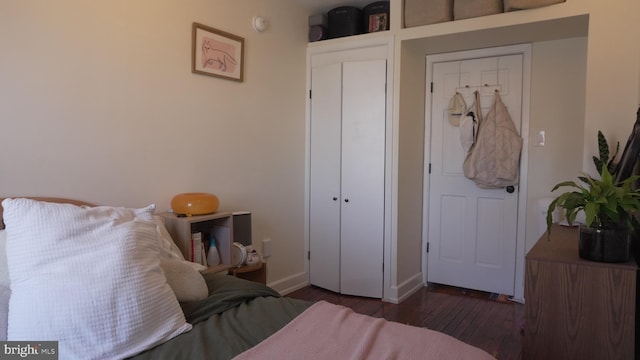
column 603, row 149
column 604, row 203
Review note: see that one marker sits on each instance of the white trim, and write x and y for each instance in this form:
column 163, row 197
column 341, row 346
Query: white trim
column 401, row 292
column 290, row 283
column 525, row 50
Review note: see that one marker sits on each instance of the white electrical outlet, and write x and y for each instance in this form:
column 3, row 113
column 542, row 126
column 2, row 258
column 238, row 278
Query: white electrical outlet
column 266, row 248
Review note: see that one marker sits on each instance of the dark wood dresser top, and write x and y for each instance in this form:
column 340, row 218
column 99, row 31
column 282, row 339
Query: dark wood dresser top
column 562, row 246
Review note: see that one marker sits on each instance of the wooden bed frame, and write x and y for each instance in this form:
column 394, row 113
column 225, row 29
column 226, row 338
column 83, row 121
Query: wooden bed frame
column 44, row 198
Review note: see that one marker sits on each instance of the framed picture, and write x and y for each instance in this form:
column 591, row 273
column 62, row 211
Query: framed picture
column 217, row 53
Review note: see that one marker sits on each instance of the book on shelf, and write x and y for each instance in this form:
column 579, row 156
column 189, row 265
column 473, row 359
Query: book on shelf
column 196, row 248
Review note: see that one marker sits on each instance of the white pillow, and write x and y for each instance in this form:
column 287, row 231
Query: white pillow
column 4, row 268
column 169, row 249
column 187, row 283
column 5, row 292
column 89, row 278
column 5, row 295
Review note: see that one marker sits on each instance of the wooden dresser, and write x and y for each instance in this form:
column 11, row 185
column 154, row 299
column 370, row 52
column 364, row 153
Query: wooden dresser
column 574, row 308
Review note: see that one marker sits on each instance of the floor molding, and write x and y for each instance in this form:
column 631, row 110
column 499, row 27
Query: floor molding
column 290, row 284
column 405, row 289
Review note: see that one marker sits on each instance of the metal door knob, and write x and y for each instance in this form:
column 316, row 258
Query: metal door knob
column 511, row 189
column 335, row 198
column 346, row 200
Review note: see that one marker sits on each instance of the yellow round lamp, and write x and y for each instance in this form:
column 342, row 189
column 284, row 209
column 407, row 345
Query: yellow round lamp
column 194, row 204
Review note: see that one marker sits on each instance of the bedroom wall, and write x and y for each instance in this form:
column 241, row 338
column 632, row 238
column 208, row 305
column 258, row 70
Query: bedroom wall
column 613, row 74
column 557, row 107
column 98, row 102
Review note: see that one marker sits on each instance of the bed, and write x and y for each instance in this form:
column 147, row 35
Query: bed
column 107, row 283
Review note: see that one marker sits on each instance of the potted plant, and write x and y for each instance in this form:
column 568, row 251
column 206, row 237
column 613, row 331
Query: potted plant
column 609, row 210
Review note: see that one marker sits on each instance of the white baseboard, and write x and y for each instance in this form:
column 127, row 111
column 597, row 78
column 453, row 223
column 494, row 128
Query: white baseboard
column 290, row 284
column 398, row 293
column 405, row 289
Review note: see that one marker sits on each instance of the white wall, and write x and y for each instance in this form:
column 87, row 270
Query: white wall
column 557, row 108
column 613, row 73
column 98, row 103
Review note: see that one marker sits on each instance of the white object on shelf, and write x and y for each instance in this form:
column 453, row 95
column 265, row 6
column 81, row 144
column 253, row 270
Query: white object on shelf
column 238, row 254
column 213, row 258
column 253, row 258
column 196, row 248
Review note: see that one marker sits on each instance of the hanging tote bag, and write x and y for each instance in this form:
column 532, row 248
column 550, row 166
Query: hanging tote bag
column 494, row 160
column 469, row 123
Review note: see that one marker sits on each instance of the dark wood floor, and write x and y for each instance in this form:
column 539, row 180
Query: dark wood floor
column 493, row 326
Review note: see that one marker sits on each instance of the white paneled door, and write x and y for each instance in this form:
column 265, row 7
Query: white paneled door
column 363, row 149
column 472, row 232
column 325, row 181
column 347, row 171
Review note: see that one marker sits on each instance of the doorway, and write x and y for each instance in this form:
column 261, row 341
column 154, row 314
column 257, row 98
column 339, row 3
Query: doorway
column 472, row 237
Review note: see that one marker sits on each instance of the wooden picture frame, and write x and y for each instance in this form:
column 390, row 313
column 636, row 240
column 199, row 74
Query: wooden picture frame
column 217, row 53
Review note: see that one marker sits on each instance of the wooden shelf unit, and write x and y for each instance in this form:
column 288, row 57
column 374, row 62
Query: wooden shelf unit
column 256, row 273
column 218, row 224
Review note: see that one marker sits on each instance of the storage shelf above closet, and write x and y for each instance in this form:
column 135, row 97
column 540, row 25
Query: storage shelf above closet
column 439, row 38
column 554, row 21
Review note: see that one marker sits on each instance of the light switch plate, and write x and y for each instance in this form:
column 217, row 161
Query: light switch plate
column 541, row 138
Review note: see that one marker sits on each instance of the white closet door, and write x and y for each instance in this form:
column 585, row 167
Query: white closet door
column 363, row 164
column 324, row 212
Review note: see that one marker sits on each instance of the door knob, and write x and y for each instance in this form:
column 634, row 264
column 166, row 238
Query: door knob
column 511, row 189
column 346, row 200
column 335, row 198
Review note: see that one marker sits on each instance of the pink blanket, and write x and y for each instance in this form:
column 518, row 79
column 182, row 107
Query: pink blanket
column 328, row 331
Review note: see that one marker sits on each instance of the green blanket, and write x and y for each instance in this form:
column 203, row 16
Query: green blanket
column 237, row 315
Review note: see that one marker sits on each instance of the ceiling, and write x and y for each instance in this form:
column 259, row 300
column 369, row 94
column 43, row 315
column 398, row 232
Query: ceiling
column 322, row 6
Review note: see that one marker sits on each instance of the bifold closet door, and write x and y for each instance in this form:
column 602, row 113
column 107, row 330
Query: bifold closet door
column 347, row 155
column 324, row 187
column 363, row 160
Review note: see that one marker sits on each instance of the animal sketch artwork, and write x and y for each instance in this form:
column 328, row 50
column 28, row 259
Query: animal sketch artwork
column 218, row 55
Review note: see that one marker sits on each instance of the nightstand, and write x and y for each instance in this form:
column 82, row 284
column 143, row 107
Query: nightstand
column 220, row 225
column 255, row 273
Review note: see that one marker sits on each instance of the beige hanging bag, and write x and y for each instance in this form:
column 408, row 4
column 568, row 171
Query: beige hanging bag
column 494, row 159
column 469, row 124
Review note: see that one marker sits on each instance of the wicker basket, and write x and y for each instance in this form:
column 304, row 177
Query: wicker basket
column 464, row 9
column 425, row 12
column 511, row 5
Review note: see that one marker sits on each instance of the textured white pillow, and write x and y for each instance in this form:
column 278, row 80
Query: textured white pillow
column 5, row 292
column 4, row 268
column 5, row 295
column 89, row 278
column 187, row 283
column 169, row 249
column 167, row 246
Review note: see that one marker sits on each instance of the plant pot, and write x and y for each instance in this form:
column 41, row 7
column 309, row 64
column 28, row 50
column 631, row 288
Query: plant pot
column 604, row 244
